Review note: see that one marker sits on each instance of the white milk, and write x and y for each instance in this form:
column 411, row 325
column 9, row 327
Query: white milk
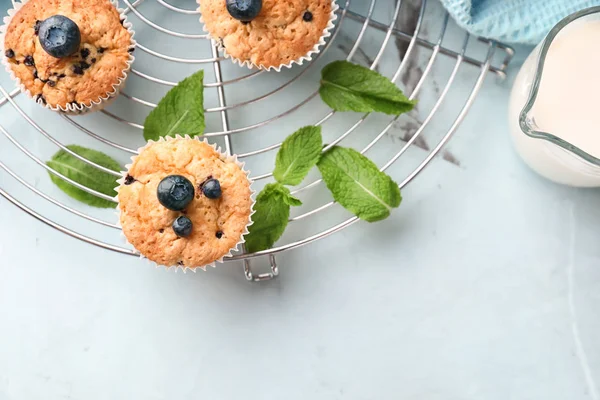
column 567, row 106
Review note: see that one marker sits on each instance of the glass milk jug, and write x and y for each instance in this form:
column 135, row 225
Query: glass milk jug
column 554, row 111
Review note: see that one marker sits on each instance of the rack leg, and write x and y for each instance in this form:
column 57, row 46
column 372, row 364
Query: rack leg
column 261, row 277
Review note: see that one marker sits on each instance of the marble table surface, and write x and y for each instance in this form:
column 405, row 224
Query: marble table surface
column 485, row 284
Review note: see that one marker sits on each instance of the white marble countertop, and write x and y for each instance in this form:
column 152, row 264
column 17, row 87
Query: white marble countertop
column 485, row 284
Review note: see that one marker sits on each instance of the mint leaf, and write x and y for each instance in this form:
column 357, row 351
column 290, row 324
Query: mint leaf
column 271, row 217
column 298, row 154
column 358, row 185
column 350, row 87
column 181, row 111
column 85, row 174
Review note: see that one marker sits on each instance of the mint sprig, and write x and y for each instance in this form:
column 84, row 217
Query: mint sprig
column 298, row 154
column 350, row 87
column 181, row 111
column 85, row 174
column 358, row 185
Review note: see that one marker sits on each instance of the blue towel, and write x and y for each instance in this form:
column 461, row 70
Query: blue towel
column 513, row 21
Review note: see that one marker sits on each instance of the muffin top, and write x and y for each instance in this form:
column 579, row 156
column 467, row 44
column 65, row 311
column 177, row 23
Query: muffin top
column 218, row 223
column 283, row 31
column 87, row 75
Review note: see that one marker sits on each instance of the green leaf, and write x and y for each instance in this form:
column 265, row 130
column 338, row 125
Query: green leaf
column 350, row 87
column 85, row 174
column 181, row 111
column 271, row 217
column 358, row 185
column 298, row 154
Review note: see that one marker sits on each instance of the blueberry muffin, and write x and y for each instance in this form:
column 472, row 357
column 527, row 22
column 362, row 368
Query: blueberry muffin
column 183, row 203
column 268, row 34
column 70, row 55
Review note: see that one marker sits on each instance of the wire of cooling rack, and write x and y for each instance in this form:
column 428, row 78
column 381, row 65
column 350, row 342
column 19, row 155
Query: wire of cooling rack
column 223, row 110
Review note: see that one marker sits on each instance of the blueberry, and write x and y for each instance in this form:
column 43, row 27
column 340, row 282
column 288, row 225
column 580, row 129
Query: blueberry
column 182, row 226
column 29, row 61
column 244, row 10
column 59, row 36
column 129, row 179
column 307, row 16
column 212, row 189
column 10, row 53
column 175, row 192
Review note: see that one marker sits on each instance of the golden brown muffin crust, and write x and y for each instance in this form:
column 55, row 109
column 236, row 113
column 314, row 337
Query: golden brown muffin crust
column 277, row 36
column 147, row 224
column 86, row 76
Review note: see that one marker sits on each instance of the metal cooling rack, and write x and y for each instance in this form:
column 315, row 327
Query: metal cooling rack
column 409, row 41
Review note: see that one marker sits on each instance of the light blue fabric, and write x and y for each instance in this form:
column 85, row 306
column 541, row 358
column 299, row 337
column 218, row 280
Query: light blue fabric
column 513, row 21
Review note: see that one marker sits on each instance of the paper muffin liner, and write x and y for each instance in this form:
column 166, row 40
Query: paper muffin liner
column 307, row 57
column 71, row 109
column 225, row 157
